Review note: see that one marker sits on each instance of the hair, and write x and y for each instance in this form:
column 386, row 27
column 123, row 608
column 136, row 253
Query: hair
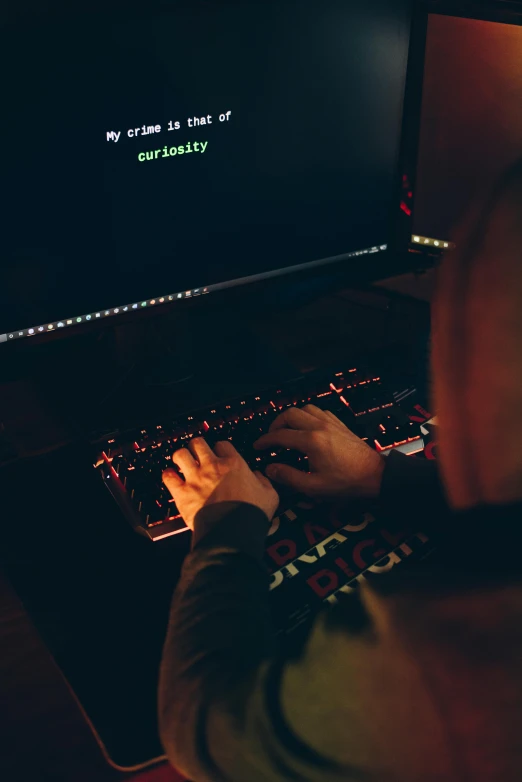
column 477, row 350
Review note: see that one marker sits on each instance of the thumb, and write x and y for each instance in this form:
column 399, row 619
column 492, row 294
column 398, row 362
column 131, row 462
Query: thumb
column 300, row 481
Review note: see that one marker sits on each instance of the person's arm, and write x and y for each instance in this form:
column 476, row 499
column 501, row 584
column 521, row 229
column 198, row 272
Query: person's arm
column 411, row 493
column 219, row 632
column 342, row 467
column 221, row 686
column 220, row 683
column 232, row 710
column 219, row 692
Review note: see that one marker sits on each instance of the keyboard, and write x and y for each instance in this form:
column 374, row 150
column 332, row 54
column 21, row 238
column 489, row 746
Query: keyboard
column 131, row 462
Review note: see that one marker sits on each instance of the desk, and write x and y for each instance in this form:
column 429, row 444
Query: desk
column 43, row 735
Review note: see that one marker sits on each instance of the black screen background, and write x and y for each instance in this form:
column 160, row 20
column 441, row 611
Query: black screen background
column 303, row 170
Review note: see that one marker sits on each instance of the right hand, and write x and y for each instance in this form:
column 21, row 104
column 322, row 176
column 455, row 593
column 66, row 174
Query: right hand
column 342, row 466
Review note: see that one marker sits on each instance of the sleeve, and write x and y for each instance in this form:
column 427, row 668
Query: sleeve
column 412, row 493
column 221, row 683
column 220, row 678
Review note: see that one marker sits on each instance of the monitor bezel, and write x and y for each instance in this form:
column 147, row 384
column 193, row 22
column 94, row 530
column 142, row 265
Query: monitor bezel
column 379, row 266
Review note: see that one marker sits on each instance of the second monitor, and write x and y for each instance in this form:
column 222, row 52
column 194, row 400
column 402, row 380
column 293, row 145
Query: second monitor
column 471, row 118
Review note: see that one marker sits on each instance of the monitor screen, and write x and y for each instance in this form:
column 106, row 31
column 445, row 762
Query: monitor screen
column 471, row 120
column 158, row 154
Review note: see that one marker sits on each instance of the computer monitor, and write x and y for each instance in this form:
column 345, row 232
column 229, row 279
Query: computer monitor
column 157, row 151
column 470, row 119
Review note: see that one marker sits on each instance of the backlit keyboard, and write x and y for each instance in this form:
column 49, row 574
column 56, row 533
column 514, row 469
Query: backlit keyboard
column 131, row 462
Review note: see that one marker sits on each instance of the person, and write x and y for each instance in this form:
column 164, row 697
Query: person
column 417, row 676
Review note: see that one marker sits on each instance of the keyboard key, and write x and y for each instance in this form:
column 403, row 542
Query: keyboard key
column 139, row 457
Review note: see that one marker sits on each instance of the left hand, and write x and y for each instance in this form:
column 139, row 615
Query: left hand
column 215, row 476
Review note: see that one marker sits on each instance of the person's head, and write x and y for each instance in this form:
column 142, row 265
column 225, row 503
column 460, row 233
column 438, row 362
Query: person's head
column 477, row 351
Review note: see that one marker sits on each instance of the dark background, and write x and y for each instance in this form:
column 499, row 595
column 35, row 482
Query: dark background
column 303, row 170
column 471, row 123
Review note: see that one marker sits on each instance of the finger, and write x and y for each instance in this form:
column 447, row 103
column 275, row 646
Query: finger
column 294, row 418
column 225, row 450
column 172, row 480
column 284, row 438
column 316, row 412
column 185, row 461
column 303, row 482
column 202, row 450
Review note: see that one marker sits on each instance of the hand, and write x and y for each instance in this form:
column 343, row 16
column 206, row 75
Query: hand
column 215, row 476
column 341, row 465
